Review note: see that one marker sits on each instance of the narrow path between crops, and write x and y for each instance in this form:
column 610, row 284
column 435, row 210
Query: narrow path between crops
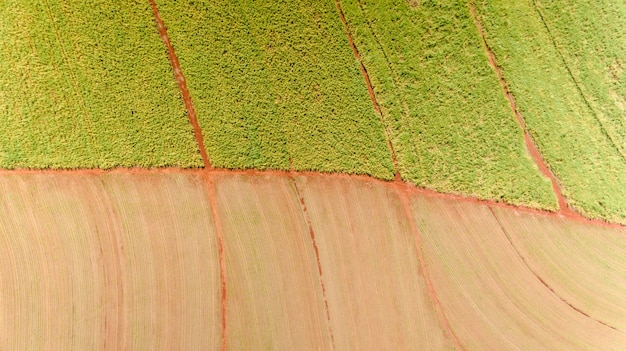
column 307, row 218
column 370, row 89
column 564, row 208
column 523, row 259
column 182, row 84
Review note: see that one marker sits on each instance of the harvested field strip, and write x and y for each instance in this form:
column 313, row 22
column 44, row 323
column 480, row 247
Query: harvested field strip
column 492, row 299
column 63, row 287
column 376, row 292
column 274, row 296
column 583, row 264
column 86, row 84
column 277, row 82
column 564, row 126
column 451, row 128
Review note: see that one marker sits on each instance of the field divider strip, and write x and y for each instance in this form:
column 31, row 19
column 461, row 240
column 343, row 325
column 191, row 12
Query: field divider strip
column 182, row 84
column 370, row 90
column 305, row 213
column 212, row 196
column 534, row 273
column 531, row 146
column 580, row 90
column 424, row 265
column 288, row 174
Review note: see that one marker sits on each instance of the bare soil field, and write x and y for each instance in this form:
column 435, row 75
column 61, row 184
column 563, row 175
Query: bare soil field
column 99, row 263
column 585, row 265
column 492, row 299
column 377, row 294
column 274, row 299
column 184, row 260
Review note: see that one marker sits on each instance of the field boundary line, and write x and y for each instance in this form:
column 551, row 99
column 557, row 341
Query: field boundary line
column 307, row 218
column 580, row 90
column 422, row 260
column 212, row 195
column 523, row 259
column 182, row 84
column 411, row 188
column 370, row 90
column 531, row 146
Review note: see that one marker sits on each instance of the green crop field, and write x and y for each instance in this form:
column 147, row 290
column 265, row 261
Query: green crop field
column 88, row 84
column 570, row 97
column 591, row 37
column 275, row 83
column 453, row 129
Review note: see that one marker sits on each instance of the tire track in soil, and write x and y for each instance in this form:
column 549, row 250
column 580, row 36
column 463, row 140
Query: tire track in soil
column 564, row 208
column 210, row 190
column 370, row 90
column 519, row 255
column 424, row 266
column 305, row 213
column 182, row 84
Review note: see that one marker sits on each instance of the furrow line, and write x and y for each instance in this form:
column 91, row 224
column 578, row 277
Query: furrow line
column 370, row 89
column 564, row 207
column 182, row 84
column 420, row 255
column 580, row 90
column 521, row 257
column 210, row 188
column 305, row 212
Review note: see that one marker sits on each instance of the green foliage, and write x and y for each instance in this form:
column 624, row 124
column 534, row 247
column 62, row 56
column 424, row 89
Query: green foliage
column 453, row 129
column 568, row 81
column 276, row 82
column 87, row 83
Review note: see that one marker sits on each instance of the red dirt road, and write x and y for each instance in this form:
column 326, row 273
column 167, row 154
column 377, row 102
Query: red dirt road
column 182, row 84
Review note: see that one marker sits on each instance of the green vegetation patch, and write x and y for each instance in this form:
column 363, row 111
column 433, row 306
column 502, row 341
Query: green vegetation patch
column 453, row 129
column 87, row 84
column 568, row 96
column 275, row 83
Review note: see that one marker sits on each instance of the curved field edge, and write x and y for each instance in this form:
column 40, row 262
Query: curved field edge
column 144, row 257
column 87, row 84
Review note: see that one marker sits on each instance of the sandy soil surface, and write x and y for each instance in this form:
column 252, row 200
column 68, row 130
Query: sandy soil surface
column 377, row 294
column 274, row 299
column 101, row 263
column 492, row 299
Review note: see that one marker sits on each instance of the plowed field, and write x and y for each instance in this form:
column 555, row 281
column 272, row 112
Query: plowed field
column 491, row 297
column 131, row 260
